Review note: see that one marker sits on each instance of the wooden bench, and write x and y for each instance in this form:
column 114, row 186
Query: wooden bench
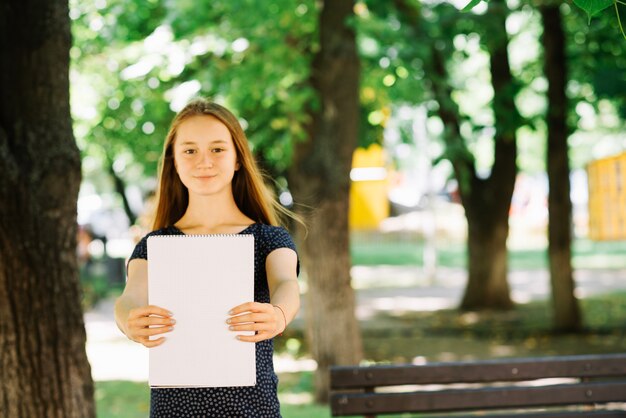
column 565, row 386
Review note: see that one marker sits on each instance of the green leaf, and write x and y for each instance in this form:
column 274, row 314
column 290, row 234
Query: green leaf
column 593, row 7
column 470, row 5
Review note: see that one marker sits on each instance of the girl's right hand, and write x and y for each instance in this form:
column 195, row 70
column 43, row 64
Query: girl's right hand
column 147, row 321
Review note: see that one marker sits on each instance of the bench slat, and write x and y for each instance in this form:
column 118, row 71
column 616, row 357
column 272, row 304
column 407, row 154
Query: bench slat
column 473, row 399
column 605, row 365
column 569, row 414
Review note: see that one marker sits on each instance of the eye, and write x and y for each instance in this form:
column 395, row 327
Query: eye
column 189, row 151
column 218, row 150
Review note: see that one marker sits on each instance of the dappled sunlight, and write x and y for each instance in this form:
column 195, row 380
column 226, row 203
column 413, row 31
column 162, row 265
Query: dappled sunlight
column 113, row 356
column 521, row 296
column 399, row 305
column 469, row 318
column 296, row 398
column 412, row 323
column 378, row 276
column 419, row 361
column 118, row 361
column 285, row 363
column 600, row 261
column 503, row 351
column 364, row 277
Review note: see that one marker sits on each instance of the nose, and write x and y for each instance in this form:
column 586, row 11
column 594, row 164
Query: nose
column 205, row 160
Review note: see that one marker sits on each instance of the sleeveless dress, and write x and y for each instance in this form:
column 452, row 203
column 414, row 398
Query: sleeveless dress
column 258, row 401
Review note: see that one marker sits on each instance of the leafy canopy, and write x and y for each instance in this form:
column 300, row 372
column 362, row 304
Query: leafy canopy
column 591, row 7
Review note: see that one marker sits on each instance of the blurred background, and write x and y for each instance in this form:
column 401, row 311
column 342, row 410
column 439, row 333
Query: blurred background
column 452, row 147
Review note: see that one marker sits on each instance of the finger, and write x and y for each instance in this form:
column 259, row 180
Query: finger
column 154, row 343
column 145, row 321
column 139, row 333
column 250, row 327
column 150, row 310
column 148, row 332
column 251, row 317
column 247, row 307
column 254, row 338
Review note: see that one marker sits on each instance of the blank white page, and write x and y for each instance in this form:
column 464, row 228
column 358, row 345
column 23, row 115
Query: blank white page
column 200, row 278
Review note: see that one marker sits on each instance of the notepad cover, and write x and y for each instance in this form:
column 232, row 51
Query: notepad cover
column 199, row 279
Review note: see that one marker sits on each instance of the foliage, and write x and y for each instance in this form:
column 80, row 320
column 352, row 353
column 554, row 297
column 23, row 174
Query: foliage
column 95, row 287
column 392, row 68
column 133, row 66
column 96, row 281
column 596, row 60
column 158, row 57
column 591, row 7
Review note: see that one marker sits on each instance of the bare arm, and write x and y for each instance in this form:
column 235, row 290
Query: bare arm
column 266, row 318
column 134, row 317
column 283, row 282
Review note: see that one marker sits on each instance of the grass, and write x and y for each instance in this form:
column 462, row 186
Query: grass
column 122, row 399
column 444, row 335
column 448, row 335
column 408, row 250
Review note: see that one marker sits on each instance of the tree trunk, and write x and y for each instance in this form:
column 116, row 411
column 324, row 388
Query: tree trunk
column 44, row 370
column 488, row 229
column 486, row 201
column 486, row 204
column 566, row 313
column 320, row 179
column 488, row 207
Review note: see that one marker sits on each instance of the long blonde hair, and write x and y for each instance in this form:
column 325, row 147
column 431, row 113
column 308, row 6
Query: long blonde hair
column 251, row 194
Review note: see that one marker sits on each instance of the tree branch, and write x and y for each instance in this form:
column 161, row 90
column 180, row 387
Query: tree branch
column 456, row 150
column 120, row 188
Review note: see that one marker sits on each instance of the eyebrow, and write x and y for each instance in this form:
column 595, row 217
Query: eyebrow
column 217, row 141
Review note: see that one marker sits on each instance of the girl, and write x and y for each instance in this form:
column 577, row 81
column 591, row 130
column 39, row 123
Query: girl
column 209, row 184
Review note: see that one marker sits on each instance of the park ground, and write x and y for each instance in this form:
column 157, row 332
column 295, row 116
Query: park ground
column 407, row 314
column 404, row 317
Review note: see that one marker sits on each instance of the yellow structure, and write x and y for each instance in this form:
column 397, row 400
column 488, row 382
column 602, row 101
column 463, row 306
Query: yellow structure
column 607, row 198
column 369, row 204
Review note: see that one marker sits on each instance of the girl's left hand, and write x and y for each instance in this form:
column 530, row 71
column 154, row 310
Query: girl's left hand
column 263, row 318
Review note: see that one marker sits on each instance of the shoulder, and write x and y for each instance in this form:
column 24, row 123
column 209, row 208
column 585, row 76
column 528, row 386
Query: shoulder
column 168, row 230
column 271, row 232
column 272, row 237
column 141, row 249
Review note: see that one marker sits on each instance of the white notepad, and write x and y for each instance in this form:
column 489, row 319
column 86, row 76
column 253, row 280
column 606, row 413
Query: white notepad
column 200, row 278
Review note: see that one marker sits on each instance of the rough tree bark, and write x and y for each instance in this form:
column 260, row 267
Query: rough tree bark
column 320, row 180
column 566, row 312
column 44, row 370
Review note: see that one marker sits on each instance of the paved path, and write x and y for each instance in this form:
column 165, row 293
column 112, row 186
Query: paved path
column 113, row 357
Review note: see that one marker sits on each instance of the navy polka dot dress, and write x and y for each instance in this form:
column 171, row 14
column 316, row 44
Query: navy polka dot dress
column 258, row 401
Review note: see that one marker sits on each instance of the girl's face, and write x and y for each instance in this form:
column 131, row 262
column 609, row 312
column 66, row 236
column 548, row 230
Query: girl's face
column 205, row 156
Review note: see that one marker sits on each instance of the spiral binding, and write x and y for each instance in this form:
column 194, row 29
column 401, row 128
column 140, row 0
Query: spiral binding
column 201, row 236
